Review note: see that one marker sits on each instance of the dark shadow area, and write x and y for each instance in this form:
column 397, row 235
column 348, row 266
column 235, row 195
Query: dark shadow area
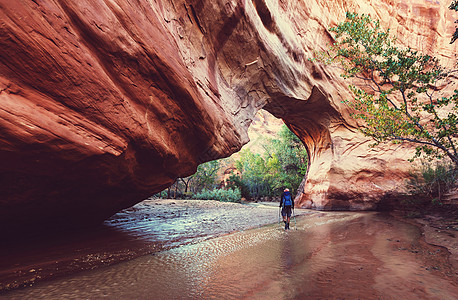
column 28, row 258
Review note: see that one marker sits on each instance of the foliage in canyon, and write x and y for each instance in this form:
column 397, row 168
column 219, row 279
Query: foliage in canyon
column 283, row 165
column 395, row 94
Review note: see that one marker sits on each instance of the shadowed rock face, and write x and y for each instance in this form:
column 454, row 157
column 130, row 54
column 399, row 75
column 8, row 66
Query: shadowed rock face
column 99, row 109
column 104, row 103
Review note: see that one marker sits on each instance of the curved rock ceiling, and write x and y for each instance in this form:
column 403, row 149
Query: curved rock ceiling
column 105, row 102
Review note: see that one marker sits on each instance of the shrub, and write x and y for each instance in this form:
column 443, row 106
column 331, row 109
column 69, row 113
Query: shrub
column 432, row 181
column 229, row 195
column 160, row 195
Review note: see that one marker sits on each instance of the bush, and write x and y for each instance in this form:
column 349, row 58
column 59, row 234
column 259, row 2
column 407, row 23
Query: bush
column 432, row 181
column 160, row 195
column 229, row 195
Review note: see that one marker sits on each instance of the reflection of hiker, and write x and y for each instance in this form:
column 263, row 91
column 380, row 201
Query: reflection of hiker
column 286, row 204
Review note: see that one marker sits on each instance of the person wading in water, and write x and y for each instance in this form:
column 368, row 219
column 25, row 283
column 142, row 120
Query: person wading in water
column 286, row 204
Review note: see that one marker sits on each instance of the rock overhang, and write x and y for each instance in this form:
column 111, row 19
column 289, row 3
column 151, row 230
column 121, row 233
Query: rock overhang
column 105, row 103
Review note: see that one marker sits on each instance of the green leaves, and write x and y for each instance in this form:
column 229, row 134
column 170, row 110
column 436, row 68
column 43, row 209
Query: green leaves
column 284, row 164
column 206, row 175
column 395, row 97
column 454, row 5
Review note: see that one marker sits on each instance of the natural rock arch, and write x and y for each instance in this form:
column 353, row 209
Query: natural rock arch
column 104, row 103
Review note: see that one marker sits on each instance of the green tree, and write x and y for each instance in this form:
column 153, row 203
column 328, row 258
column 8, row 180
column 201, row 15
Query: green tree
column 252, row 182
column 396, row 98
column 235, row 181
column 286, row 161
column 283, row 164
column 205, row 176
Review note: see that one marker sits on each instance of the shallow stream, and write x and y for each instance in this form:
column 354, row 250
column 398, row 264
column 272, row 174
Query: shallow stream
column 342, row 255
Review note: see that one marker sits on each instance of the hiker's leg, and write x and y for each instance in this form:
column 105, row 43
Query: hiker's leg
column 283, row 214
column 288, row 214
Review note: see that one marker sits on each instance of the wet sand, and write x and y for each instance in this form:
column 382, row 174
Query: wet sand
column 441, row 231
column 332, row 255
column 338, row 256
column 148, row 227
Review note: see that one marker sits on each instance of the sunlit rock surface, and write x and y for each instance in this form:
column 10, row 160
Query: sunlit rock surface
column 104, row 103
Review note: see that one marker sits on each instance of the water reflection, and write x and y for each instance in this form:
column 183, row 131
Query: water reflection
column 335, row 256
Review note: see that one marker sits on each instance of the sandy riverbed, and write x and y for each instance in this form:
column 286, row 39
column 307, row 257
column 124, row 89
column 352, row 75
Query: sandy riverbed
column 150, row 226
column 331, row 255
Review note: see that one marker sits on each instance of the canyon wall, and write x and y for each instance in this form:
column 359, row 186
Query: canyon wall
column 105, row 102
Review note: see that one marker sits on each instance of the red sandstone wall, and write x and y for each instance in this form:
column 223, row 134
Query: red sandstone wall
column 104, row 103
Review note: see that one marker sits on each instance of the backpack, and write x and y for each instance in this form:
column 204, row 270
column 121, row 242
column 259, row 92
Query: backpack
column 287, row 200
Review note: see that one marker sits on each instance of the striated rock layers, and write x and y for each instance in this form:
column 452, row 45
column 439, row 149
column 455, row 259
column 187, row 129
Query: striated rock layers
column 105, row 102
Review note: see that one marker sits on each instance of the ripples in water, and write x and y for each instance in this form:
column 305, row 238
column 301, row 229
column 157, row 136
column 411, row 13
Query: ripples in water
column 341, row 255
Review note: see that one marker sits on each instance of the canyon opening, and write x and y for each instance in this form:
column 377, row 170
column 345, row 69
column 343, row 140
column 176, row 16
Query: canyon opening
column 126, row 170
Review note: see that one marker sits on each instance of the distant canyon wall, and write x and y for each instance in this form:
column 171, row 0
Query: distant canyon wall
column 105, row 102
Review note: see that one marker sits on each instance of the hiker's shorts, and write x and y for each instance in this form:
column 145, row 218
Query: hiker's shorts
column 286, row 211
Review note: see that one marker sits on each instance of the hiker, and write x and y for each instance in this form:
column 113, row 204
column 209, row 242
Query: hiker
column 286, row 204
